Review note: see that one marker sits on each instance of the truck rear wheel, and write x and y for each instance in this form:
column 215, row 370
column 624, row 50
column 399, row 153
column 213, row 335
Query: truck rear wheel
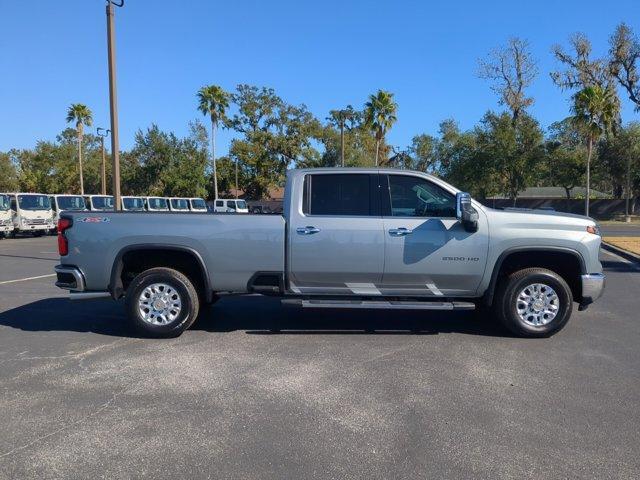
column 162, row 302
column 534, row 302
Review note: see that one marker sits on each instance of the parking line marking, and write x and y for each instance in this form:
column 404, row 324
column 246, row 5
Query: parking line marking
column 26, row 279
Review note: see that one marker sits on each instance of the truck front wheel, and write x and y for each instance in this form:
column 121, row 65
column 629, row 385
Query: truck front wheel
column 162, row 302
column 534, row 302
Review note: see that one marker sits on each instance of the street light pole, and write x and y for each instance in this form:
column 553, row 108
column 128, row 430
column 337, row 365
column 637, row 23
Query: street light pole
column 113, row 100
column 104, row 163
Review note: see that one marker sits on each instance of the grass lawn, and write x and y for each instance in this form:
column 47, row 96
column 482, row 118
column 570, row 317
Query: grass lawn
column 630, row 244
column 634, row 221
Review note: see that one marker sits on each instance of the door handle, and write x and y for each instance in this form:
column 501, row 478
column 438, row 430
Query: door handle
column 308, row 230
column 400, row 232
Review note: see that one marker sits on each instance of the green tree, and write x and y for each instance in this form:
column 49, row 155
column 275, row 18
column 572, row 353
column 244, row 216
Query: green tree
column 380, row 115
column 423, row 151
column 511, row 151
column 160, row 163
column 567, row 166
column 620, row 158
column 359, row 147
column 9, row 177
column 81, row 115
column 595, row 112
column 273, row 136
column 460, row 162
column 213, row 101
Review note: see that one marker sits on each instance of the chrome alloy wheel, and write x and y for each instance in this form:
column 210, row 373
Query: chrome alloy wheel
column 537, row 304
column 159, row 304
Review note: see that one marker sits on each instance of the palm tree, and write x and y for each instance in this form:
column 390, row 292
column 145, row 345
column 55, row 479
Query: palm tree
column 595, row 111
column 340, row 118
column 81, row 115
column 214, row 101
column 380, row 115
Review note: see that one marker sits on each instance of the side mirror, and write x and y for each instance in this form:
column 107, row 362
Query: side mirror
column 465, row 212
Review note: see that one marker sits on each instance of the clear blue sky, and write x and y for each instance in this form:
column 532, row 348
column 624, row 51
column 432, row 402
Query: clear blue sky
column 325, row 54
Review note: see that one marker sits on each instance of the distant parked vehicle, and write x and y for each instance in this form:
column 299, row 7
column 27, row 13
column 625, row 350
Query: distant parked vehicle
column 99, row 203
column 6, row 223
column 223, row 205
column 197, row 205
column 157, row 204
column 31, row 213
column 62, row 203
column 133, row 204
column 179, row 204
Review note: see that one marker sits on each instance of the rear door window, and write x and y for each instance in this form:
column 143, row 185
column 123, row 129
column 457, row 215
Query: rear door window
column 344, row 194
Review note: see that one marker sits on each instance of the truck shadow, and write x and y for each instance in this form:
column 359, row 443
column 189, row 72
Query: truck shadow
column 255, row 315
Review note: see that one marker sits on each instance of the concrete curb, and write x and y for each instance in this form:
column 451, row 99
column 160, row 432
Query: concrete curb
column 632, row 257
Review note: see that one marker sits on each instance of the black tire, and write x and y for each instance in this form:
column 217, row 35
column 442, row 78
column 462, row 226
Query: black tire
column 506, row 302
column 182, row 287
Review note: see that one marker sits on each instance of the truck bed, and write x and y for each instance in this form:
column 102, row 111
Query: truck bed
column 234, row 247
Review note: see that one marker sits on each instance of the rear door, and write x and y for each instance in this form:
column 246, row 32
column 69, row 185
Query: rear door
column 428, row 252
column 336, row 237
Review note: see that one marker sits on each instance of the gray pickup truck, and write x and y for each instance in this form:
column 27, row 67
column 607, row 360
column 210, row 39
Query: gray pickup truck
column 348, row 238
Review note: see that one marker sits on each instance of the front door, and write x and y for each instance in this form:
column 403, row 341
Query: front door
column 336, row 239
column 428, row 252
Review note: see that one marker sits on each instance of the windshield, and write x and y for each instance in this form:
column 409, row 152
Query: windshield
column 133, row 203
column 241, row 204
column 179, row 204
column 198, row 204
column 34, row 202
column 71, row 202
column 157, row 203
column 102, row 203
column 4, row 202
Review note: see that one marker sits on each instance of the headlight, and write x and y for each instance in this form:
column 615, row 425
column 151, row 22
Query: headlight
column 23, row 221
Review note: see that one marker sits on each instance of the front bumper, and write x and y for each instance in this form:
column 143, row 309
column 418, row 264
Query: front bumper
column 592, row 288
column 6, row 228
column 30, row 228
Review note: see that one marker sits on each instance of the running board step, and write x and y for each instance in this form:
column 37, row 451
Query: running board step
column 379, row 304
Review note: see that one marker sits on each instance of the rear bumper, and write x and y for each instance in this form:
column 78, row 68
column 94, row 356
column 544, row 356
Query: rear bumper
column 592, row 287
column 72, row 279
column 69, row 278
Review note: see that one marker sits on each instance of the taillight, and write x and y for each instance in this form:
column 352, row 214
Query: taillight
column 63, row 244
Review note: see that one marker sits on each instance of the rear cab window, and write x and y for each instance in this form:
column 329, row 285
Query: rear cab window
column 341, row 194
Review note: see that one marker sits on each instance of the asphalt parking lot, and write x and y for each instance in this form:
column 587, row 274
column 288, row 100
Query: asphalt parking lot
column 334, row 395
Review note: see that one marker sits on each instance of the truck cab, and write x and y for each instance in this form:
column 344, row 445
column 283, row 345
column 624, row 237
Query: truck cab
column 198, row 205
column 224, row 205
column 99, row 203
column 133, row 204
column 31, row 213
column 157, row 204
column 61, row 203
column 6, row 222
column 177, row 204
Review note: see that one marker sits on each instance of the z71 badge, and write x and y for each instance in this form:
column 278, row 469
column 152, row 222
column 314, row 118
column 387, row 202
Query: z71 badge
column 95, row 219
